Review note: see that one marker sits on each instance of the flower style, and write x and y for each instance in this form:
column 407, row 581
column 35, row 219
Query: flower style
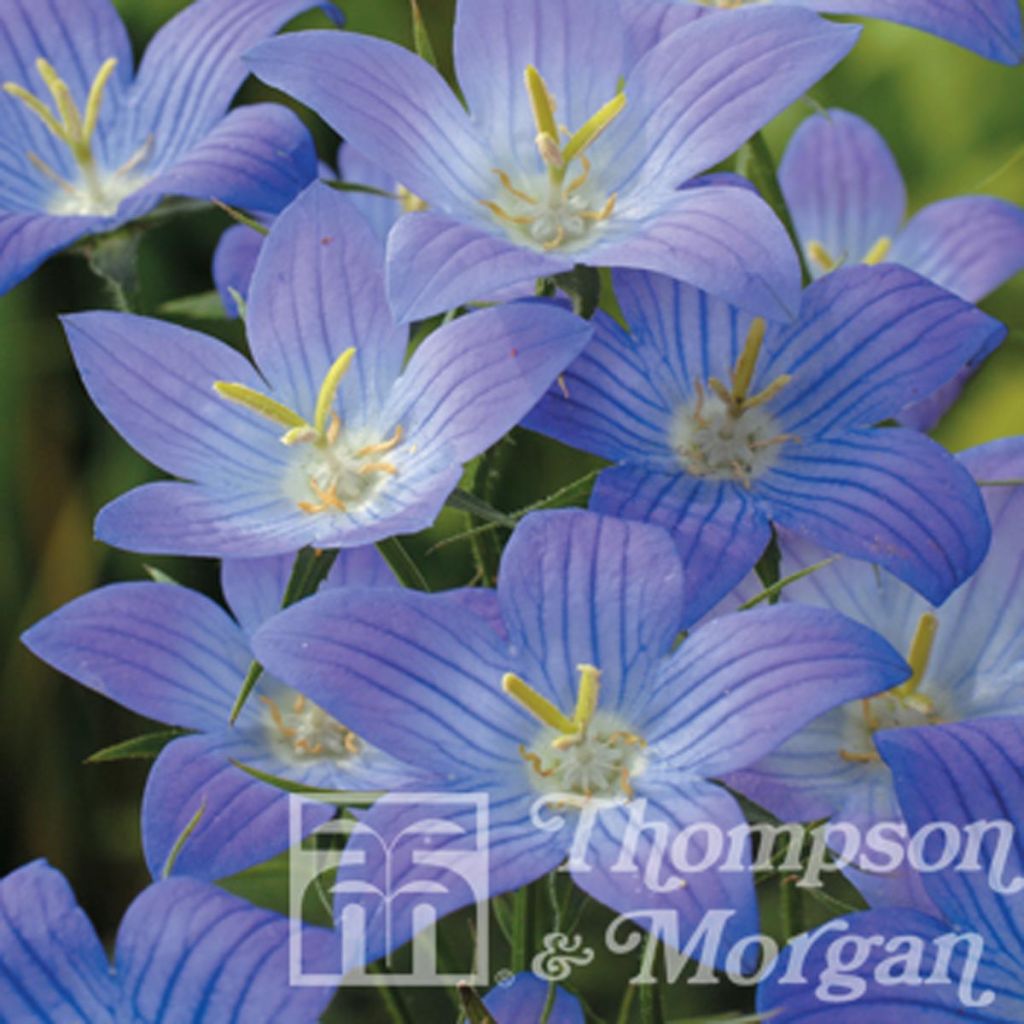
column 966, row 655
column 522, row 999
column 991, row 28
column 173, row 655
column 335, row 445
column 574, row 147
column 562, row 690
column 848, row 201
column 186, row 951
column 721, row 426
column 903, row 965
column 87, row 149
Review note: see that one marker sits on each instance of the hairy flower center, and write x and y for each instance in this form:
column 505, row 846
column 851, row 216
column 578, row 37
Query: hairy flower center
column 301, row 731
column 94, row 192
column 335, row 469
column 591, row 754
column 818, row 254
column 729, row 434
column 562, row 209
column 900, row 707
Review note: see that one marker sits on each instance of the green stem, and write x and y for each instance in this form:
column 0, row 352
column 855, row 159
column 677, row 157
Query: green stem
column 522, row 928
column 393, row 1004
column 651, row 1010
column 397, row 556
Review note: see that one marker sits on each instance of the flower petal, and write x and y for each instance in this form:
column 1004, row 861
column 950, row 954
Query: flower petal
column 380, row 212
column 162, row 651
column 579, row 588
column 433, row 844
column 413, row 674
column 234, row 261
column 741, row 685
column 258, row 157
column 318, row 289
column 632, row 874
column 28, row 239
column 243, row 822
column 521, row 1000
column 52, row 964
column 970, row 245
column 724, row 240
column 869, row 341
column 472, row 380
column 704, row 90
column 719, row 531
column 961, row 774
column 173, row 518
column 191, row 70
column 888, row 496
column 213, row 957
column 842, row 185
column 154, row 382
column 393, row 106
column 436, row 263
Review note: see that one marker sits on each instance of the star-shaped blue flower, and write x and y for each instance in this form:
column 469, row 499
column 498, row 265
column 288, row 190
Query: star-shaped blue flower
column 963, row 961
column 185, row 951
column 562, row 690
column 331, row 443
column 720, row 426
column 173, row 655
column 87, row 147
column 578, row 136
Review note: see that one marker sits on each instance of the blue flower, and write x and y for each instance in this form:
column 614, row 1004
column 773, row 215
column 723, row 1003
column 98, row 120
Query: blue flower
column 87, row 148
column 173, row 655
column 964, row 961
column 573, row 148
column 966, row 656
column 186, row 951
column 720, row 426
column 991, row 28
column 562, row 689
column 370, row 449
column 848, row 201
column 522, row 999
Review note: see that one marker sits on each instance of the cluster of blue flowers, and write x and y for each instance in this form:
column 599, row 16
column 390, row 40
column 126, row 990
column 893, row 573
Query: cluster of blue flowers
column 757, row 378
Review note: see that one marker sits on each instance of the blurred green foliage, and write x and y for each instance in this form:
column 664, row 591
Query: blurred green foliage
column 955, row 124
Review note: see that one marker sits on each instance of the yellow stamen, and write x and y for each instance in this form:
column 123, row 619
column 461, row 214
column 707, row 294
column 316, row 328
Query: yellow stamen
column 259, row 403
column 329, row 389
column 580, row 181
column 36, row 105
column 378, row 467
column 605, row 212
column 275, row 714
column 855, row 758
column 534, row 761
column 351, row 741
column 920, row 653
column 385, row 446
column 625, row 783
column 820, row 255
column 879, row 251
column 411, row 203
column 540, row 707
column 506, row 181
column 502, row 214
column 556, row 241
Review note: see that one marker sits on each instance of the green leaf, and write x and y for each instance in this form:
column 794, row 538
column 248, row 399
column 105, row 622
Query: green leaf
column 242, row 218
column 343, row 797
column 420, row 35
column 202, row 306
column 159, row 576
column 771, row 593
column 180, row 842
column 139, row 748
column 352, row 186
column 402, row 565
column 473, row 1006
column 769, row 566
column 583, row 286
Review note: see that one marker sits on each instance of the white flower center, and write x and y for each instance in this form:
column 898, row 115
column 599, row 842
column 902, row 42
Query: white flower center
column 300, row 731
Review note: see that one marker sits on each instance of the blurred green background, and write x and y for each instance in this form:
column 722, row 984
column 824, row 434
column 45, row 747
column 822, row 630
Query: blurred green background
column 955, row 123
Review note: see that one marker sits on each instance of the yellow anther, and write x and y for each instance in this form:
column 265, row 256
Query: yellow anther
column 743, row 374
column 327, row 498
column 333, row 431
column 768, row 393
column 541, row 103
column 299, row 703
column 920, row 653
column 870, row 719
column 351, row 741
column 555, row 242
column 587, row 694
column 625, row 783
column 264, row 405
column 329, row 389
column 504, row 215
column 879, row 251
column 534, row 761
column 605, row 212
column 540, row 707
column 95, row 100
column 594, row 127
column 855, row 758
column 820, row 255
column 385, row 446
column 580, row 181
column 275, row 714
